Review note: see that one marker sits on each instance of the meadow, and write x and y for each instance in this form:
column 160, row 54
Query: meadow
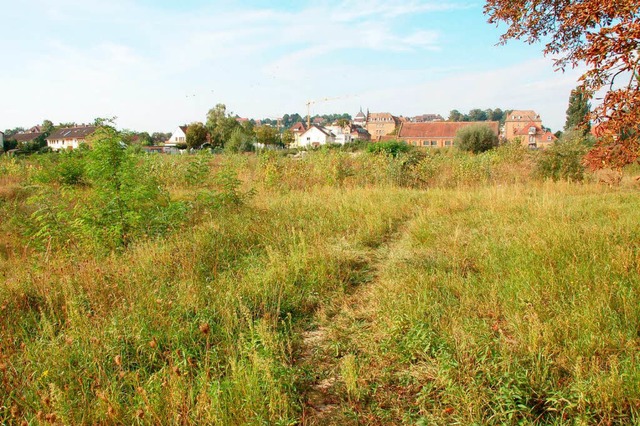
column 332, row 288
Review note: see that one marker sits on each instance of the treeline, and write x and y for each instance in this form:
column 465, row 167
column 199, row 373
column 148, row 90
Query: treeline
column 478, row 114
column 289, row 120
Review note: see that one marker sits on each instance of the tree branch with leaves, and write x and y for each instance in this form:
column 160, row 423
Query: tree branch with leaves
column 604, row 36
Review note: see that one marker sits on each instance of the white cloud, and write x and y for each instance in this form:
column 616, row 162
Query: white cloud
column 156, row 68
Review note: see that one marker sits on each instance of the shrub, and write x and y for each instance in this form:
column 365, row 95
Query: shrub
column 476, row 138
column 239, row 142
column 127, row 202
column 70, row 170
column 392, row 148
column 563, row 160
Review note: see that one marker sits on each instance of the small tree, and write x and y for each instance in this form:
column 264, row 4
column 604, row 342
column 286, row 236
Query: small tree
column 268, row 136
column 288, row 138
column 239, row 141
column 476, row 138
column 127, row 202
column 196, row 135
column 564, row 159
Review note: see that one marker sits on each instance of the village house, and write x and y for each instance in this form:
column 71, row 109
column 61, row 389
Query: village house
column 178, row 137
column 427, row 117
column 381, row 124
column 69, row 137
column 316, row 136
column 517, row 120
column 359, row 133
column 297, row 129
column 437, row 134
column 27, row 136
column 534, row 136
column 1, row 141
column 342, row 134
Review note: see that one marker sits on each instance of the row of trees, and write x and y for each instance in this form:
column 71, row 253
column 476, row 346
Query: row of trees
column 478, row 114
column 223, row 130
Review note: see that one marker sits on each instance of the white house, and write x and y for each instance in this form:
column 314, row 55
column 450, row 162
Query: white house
column 69, row 137
column 342, row 135
column 179, row 136
column 316, row 136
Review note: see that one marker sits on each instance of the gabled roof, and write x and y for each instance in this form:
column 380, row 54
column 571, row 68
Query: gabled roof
column 72, row 132
column 322, row 129
column 24, row 137
column 523, row 115
column 184, row 129
column 359, row 130
column 525, row 129
column 440, row 129
column 298, row 127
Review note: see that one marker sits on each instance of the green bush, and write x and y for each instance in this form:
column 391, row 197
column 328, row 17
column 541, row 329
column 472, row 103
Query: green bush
column 392, row 148
column 563, row 160
column 476, row 138
column 70, row 169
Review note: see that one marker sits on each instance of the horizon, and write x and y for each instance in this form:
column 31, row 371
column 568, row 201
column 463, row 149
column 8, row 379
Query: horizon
column 155, row 66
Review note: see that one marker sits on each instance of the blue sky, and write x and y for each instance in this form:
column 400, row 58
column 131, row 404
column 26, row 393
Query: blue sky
column 156, row 64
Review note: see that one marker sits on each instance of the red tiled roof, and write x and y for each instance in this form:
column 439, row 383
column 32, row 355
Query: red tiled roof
column 440, row 129
column 525, row 129
column 522, row 115
column 298, row 127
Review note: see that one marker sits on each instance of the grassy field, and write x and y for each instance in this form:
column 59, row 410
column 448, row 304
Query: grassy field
column 339, row 288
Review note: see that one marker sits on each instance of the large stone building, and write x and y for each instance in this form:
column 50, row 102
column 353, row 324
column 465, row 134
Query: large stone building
column 381, row 124
column 438, row 134
column 526, row 125
column 517, row 120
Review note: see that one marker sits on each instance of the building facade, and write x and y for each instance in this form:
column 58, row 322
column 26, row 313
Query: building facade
column 69, row 137
column 316, row 136
column 178, row 137
column 438, row 134
column 380, row 124
column 532, row 135
column 517, row 120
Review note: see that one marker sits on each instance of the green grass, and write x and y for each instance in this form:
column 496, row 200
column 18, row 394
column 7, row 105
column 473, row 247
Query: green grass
column 453, row 288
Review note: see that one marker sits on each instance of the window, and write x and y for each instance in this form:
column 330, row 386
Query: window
column 434, row 144
column 447, row 143
column 425, row 143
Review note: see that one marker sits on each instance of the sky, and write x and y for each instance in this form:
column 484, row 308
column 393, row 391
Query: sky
column 157, row 64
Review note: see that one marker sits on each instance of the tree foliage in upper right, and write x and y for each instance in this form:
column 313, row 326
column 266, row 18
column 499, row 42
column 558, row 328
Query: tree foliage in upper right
column 604, row 36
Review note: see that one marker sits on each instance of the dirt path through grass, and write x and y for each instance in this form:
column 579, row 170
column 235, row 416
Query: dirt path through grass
column 328, row 354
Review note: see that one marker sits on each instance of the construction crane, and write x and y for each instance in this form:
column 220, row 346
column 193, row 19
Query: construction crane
column 309, row 103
